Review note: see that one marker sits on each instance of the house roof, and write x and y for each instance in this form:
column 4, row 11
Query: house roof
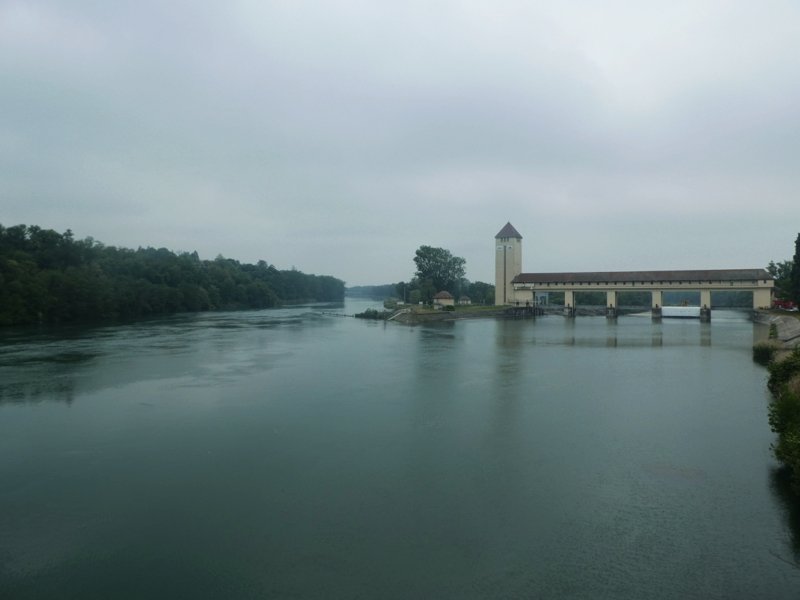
column 443, row 296
column 508, row 231
column 644, row 276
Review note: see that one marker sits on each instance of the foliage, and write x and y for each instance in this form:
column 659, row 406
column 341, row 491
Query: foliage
column 46, row 276
column 763, row 352
column 479, row 292
column 784, row 413
column 449, row 308
column 782, row 273
column 441, row 269
column 780, row 372
column 374, row 314
column 415, row 291
column 794, row 280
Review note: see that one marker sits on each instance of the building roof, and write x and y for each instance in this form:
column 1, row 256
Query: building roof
column 508, row 232
column 443, row 296
column 645, row 276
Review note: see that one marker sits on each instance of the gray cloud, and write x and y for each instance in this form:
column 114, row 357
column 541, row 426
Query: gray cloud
column 337, row 137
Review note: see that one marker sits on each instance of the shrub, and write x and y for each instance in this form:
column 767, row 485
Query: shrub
column 764, row 351
column 782, row 371
column 375, row 315
column 784, row 413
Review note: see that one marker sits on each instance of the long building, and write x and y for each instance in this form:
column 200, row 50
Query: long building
column 513, row 287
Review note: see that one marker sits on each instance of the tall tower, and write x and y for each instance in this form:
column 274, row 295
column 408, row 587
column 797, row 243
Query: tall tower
column 507, row 264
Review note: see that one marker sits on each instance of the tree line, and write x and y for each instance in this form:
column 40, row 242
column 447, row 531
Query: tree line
column 379, row 292
column 46, row 276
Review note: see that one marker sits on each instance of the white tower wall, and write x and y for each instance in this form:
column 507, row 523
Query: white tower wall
column 508, row 263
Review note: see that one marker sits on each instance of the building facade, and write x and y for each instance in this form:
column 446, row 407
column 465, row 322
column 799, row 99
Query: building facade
column 513, row 287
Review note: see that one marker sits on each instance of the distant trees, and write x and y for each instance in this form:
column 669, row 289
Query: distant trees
column 479, row 292
column 373, row 291
column 51, row 277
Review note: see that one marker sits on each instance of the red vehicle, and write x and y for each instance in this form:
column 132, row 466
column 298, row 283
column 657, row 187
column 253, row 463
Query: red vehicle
column 784, row 304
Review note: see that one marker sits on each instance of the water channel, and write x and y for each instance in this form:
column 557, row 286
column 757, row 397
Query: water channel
column 290, row 454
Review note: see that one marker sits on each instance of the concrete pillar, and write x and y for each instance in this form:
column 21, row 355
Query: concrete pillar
column 569, row 303
column 656, row 303
column 611, row 304
column 656, row 297
column 705, row 299
column 762, row 298
column 705, row 305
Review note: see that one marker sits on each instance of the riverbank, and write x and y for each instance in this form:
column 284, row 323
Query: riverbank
column 787, row 326
column 781, row 355
column 414, row 315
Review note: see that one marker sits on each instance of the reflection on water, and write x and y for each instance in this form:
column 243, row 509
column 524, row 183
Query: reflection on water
column 779, row 482
column 54, row 363
column 53, row 388
column 616, row 336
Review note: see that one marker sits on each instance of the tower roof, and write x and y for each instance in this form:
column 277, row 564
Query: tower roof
column 508, row 232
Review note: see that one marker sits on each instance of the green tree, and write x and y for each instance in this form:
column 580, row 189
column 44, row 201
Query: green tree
column 794, row 280
column 480, row 292
column 442, row 269
column 47, row 276
column 782, row 273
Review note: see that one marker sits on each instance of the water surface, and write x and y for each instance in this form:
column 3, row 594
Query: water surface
column 290, row 454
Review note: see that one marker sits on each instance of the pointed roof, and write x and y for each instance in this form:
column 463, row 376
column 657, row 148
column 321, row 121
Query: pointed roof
column 508, row 232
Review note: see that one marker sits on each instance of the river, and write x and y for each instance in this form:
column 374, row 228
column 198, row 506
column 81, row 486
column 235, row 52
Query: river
column 291, row 454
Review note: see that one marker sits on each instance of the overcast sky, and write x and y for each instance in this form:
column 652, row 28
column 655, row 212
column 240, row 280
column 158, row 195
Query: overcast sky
column 339, row 136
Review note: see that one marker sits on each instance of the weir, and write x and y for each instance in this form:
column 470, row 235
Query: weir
column 512, row 286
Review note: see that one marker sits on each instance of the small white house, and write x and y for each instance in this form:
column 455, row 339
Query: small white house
column 443, row 299
column 464, row 300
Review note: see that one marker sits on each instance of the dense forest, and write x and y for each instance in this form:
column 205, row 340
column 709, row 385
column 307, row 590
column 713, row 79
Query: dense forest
column 46, row 276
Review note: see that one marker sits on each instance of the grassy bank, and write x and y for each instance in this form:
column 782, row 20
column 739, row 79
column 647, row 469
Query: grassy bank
column 784, row 412
column 414, row 313
column 425, row 314
column 783, row 362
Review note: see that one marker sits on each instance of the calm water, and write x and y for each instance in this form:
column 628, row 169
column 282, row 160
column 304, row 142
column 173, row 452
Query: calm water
column 288, row 454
